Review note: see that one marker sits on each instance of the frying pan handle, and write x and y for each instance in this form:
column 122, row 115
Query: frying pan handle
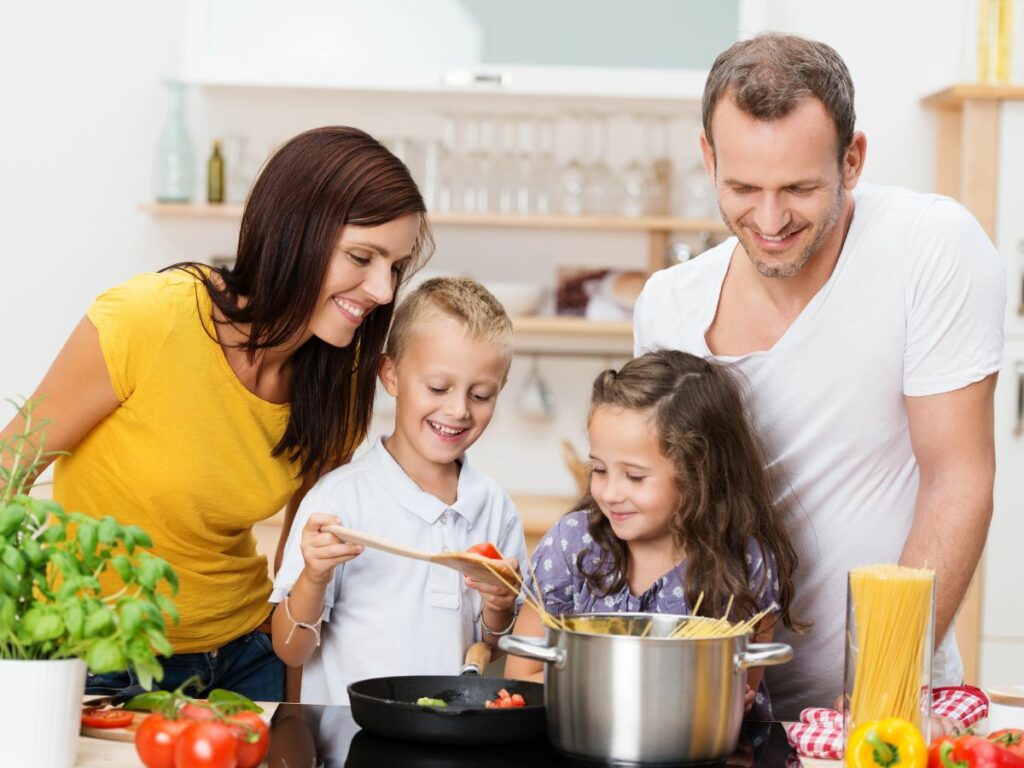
column 477, row 657
column 532, row 648
column 763, row 655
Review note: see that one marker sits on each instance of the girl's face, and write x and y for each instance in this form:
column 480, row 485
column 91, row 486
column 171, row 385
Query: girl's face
column 632, row 482
column 361, row 275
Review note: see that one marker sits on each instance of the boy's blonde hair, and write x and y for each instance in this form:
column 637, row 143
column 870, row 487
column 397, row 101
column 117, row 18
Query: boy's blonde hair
column 460, row 298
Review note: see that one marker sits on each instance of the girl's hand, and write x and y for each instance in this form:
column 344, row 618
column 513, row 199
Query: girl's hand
column 748, row 699
column 322, row 552
column 497, row 598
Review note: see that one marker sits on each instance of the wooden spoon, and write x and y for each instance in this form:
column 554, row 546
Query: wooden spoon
column 469, row 563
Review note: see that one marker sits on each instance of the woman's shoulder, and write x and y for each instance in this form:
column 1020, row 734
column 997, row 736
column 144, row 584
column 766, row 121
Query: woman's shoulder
column 152, row 296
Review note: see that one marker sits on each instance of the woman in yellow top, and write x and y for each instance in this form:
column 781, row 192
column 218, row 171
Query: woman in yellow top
column 195, row 402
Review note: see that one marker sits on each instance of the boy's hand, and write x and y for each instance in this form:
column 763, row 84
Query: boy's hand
column 322, row 552
column 497, row 598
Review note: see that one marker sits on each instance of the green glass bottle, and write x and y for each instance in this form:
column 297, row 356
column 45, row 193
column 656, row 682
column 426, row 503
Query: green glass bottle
column 215, row 176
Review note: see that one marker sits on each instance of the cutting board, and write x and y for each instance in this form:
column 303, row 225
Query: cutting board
column 127, row 734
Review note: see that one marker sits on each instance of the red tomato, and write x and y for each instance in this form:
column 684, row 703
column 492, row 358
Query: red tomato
column 93, row 717
column 156, row 738
column 486, row 549
column 506, row 700
column 1011, row 738
column 253, row 738
column 206, row 744
column 197, row 712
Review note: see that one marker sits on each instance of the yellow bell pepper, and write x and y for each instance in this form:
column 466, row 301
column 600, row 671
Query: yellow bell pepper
column 891, row 743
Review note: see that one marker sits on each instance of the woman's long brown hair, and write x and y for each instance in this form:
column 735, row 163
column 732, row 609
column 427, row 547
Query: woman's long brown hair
column 307, row 192
column 724, row 489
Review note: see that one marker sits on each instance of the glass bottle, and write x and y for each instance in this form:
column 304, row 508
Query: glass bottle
column 215, row 176
column 175, row 171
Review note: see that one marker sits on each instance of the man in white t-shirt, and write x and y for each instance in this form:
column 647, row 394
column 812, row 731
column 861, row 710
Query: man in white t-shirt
column 867, row 322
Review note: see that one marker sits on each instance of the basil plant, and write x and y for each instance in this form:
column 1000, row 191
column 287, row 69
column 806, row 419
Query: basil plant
column 51, row 605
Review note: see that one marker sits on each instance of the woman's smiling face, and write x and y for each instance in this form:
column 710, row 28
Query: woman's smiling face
column 361, row 275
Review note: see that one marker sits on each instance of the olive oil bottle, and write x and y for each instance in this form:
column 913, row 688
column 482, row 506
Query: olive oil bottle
column 215, row 176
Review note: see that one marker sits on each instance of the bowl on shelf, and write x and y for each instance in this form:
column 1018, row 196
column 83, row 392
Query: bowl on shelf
column 518, row 298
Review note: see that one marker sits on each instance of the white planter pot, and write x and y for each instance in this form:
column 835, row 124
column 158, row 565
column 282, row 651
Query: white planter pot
column 41, row 711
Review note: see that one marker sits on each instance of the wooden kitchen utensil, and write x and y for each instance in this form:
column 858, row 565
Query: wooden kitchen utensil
column 471, row 564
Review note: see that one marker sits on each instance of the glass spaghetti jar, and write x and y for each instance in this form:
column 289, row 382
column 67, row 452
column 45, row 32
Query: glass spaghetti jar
column 890, row 640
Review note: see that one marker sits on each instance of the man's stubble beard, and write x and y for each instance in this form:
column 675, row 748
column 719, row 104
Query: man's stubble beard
column 821, row 234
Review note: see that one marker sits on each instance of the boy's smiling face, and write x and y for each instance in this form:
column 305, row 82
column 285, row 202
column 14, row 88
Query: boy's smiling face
column 445, row 384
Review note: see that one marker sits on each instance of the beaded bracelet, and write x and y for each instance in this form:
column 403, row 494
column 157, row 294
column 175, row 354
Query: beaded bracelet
column 494, row 632
column 314, row 627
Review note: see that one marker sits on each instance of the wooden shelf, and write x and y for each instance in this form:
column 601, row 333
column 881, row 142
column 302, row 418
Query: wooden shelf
column 576, row 326
column 955, row 95
column 552, row 221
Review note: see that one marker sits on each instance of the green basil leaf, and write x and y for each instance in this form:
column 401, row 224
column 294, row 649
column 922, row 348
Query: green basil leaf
column 88, row 535
column 42, row 622
column 105, row 655
column 149, row 572
column 7, row 615
column 139, row 536
column 12, row 559
column 108, row 530
column 123, row 566
column 74, row 619
column 100, row 623
column 148, row 702
column 53, row 534
column 171, row 577
column 232, row 702
column 9, row 582
column 159, row 642
column 167, row 606
column 33, row 552
column 131, row 618
column 10, row 518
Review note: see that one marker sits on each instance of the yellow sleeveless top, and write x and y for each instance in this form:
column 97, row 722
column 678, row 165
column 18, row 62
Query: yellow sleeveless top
column 186, row 456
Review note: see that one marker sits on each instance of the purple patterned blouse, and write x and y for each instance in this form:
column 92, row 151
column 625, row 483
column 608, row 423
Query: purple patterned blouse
column 566, row 591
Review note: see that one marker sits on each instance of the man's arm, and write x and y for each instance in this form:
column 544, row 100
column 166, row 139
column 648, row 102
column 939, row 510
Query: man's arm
column 952, row 438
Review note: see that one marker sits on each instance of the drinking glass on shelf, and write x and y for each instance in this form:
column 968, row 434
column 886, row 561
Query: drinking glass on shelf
column 525, row 159
column 479, row 172
column 597, row 177
column 659, row 162
column 634, row 176
column 506, row 166
column 544, row 176
column 571, row 176
column 696, row 194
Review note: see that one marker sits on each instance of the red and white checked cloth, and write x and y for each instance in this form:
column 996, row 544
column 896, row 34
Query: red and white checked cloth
column 820, row 731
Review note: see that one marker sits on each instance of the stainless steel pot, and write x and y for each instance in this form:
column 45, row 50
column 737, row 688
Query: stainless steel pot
column 645, row 699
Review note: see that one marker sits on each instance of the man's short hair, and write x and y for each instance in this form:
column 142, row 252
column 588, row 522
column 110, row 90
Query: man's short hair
column 460, row 298
column 769, row 75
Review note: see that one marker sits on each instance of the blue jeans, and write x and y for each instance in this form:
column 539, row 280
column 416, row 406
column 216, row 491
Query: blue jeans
column 246, row 665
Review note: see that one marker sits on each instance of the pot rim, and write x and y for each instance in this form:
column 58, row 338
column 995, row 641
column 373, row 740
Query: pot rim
column 637, row 638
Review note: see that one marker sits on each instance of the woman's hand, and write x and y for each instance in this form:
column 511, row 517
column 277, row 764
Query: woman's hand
column 498, row 598
column 322, row 552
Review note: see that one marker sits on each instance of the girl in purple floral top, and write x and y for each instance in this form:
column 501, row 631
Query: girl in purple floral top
column 679, row 504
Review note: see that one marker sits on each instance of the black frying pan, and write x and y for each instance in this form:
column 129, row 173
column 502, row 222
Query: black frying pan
column 386, row 706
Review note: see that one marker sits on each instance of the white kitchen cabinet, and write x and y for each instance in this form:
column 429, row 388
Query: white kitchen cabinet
column 980, row 162
column 647, row 48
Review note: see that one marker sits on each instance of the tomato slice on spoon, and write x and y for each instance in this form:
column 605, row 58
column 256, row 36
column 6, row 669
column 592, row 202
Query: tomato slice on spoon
column 486, row 550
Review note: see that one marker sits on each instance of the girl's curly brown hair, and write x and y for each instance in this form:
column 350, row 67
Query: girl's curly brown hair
column 724, row 489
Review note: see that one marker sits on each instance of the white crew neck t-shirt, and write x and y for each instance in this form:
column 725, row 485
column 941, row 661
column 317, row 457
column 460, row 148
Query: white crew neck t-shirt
column 388, row 615
column 914, row 307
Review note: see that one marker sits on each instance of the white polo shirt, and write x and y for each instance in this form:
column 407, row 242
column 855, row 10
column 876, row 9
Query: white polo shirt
column 388, row 615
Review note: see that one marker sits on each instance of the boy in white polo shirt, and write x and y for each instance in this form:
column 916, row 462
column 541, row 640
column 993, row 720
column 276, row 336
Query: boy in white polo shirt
column 346, row 614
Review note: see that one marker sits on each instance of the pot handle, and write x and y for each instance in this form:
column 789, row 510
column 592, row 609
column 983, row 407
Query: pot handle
column 763, row 655
column 532, row 648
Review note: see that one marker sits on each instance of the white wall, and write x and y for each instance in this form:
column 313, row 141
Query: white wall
column 83, row 104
